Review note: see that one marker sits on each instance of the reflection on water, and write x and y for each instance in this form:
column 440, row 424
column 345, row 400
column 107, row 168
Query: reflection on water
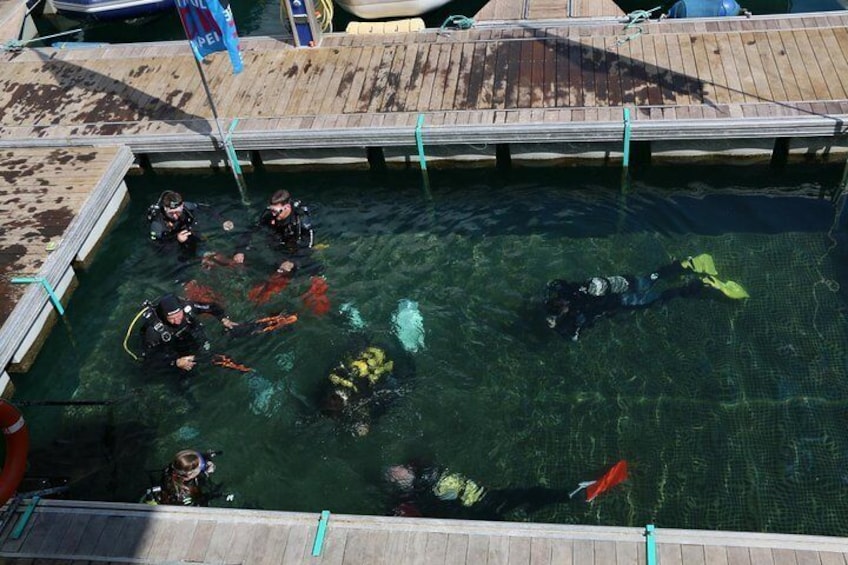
column 731, row 414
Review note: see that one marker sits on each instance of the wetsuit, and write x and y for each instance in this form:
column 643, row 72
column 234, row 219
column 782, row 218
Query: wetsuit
column 439, row 493
column 292, row 234
column 163, row 230
column 574, row 306
column 360, row 388
column 165, row 343
column 177, row 491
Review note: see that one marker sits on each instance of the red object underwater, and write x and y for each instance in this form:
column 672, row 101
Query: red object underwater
column 264, row 291
column 316, row 297
column 227, row 362
column 197, row 292
column 611, row 478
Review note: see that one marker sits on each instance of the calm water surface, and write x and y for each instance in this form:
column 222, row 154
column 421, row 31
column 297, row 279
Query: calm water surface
column 731, row 413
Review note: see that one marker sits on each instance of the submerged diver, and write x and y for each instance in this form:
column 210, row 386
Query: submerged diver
column 574, row 306
column 359, row 389
column 185, row 481
column 172, row 334
column 435, row 491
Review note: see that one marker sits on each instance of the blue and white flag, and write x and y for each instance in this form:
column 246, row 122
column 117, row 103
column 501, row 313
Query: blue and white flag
column 210, row 27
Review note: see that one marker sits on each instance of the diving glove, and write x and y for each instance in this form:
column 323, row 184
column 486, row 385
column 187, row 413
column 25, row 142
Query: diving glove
column 730, row 289
column 702, row 264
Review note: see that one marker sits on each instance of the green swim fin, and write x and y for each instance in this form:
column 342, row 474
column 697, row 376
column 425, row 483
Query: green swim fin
column 730, row 289
column 702, row 264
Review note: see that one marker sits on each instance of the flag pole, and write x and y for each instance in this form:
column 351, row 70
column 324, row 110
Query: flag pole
column 229, row 150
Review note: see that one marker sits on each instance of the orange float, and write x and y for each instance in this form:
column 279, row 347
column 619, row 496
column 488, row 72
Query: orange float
column 17, row 447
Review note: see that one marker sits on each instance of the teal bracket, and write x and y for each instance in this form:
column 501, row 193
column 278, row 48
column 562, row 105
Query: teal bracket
column 626, row 160
column 19, row 527
column 231, row 151
column 650, row 545
column 419, row 141
column 52, row 293
column 322, row 531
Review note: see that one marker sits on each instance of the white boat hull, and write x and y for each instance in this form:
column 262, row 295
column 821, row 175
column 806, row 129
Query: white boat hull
column 377, row 9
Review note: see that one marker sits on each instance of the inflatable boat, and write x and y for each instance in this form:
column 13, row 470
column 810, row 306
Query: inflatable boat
column 378, row 9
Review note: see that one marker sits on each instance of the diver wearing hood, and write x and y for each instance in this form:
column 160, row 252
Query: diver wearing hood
column 359, row 388
column 172, row 220
column 436, row 492
column 171, row 333
column 573, row 306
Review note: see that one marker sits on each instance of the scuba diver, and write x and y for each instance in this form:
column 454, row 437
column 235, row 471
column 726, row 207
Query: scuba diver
column 433, row 491
column 171, row 333
column 289, row 222
column 571, row 307
column 185, row 481
column 172, row 221
column 359, row 388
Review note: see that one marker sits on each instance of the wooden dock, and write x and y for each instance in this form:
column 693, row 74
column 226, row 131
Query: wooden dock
column 54, row 206
column 523, row 83
column 501, row 10
column 94, row 532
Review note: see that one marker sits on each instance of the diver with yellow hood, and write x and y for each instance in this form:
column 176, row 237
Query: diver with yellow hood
column 571, row 307
column 360, row 387
column 437, row 492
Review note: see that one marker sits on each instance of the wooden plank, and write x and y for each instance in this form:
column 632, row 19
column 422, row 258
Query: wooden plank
column 478, row 549
column 455, row 73
column 784, row 557
column 354, row 88
column 575, row 74
column 498, row 553
column 520, row 550
column 715, row 59
column 548, row 88
column 434, row 86
column 457, row 548
column 831, row 558
column 761, row 556
column 483, row 97
column 110, row 536
column 704, row 73
column 587, row 66
column 693, row 554
column 627, row 553
column 797, row 64
column 679, row 80
column 513, row 75
column 811, row 57
column 563, row 68
column 715, row 555
column 299, row 544
column 409, row 78
column 541, row 551
column 665, row 75
column 838, row 60
column 584, row 551
column 471, row 73
column 738, row 556
column 806, row 558
column 375, row 83
column 669, row 554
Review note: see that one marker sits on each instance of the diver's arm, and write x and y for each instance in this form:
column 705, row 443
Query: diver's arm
column 213, row 309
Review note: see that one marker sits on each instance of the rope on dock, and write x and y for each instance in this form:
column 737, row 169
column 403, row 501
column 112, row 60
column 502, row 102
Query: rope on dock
column 633, row 21
column 458, row 22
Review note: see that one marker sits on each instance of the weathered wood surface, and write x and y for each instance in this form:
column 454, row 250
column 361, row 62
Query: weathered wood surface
column 12, row 13
column 50, row 201
column 547, row 9
column 90, row 532
column 736, row 77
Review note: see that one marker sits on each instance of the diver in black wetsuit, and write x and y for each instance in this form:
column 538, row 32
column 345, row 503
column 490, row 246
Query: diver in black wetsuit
column 290, row 225
column 573, row 306
column 173, row 336
column 434, row 491
column 173, row 223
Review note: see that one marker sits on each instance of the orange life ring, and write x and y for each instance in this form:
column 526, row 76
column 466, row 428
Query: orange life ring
column 17, row 446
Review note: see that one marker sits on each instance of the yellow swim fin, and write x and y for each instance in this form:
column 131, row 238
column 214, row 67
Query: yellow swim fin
column 702, row 264
column 730, row 289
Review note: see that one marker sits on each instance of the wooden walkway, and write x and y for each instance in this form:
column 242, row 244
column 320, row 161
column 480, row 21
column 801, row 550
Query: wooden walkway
column 548, row 9
column 126, row 533
column 730, row 78
column 11, row 19
column 54, row 205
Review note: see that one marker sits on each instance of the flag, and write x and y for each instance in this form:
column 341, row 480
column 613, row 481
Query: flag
column 210, row 27
column 611, row 478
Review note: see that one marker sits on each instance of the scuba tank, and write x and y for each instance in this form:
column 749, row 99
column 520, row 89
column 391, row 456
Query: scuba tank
column 704, row 9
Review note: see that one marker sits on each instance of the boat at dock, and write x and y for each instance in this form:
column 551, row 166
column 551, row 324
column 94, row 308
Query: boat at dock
column 378, row 9
column 108, row 10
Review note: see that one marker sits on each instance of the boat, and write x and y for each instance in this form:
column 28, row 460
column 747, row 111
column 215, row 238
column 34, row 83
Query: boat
column 378, row 9
column 108, row 10
column 704, row 9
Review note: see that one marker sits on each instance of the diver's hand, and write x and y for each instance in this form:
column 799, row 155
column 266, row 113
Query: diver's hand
column 285, row 267
column 227, row 323
column 238, row 258
column 576, row 335
column 186, row 363
column 183, row 236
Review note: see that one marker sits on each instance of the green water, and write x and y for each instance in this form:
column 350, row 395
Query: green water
column 731, row 414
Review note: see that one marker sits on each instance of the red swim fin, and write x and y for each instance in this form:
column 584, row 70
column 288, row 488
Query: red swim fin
column 611, row 478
